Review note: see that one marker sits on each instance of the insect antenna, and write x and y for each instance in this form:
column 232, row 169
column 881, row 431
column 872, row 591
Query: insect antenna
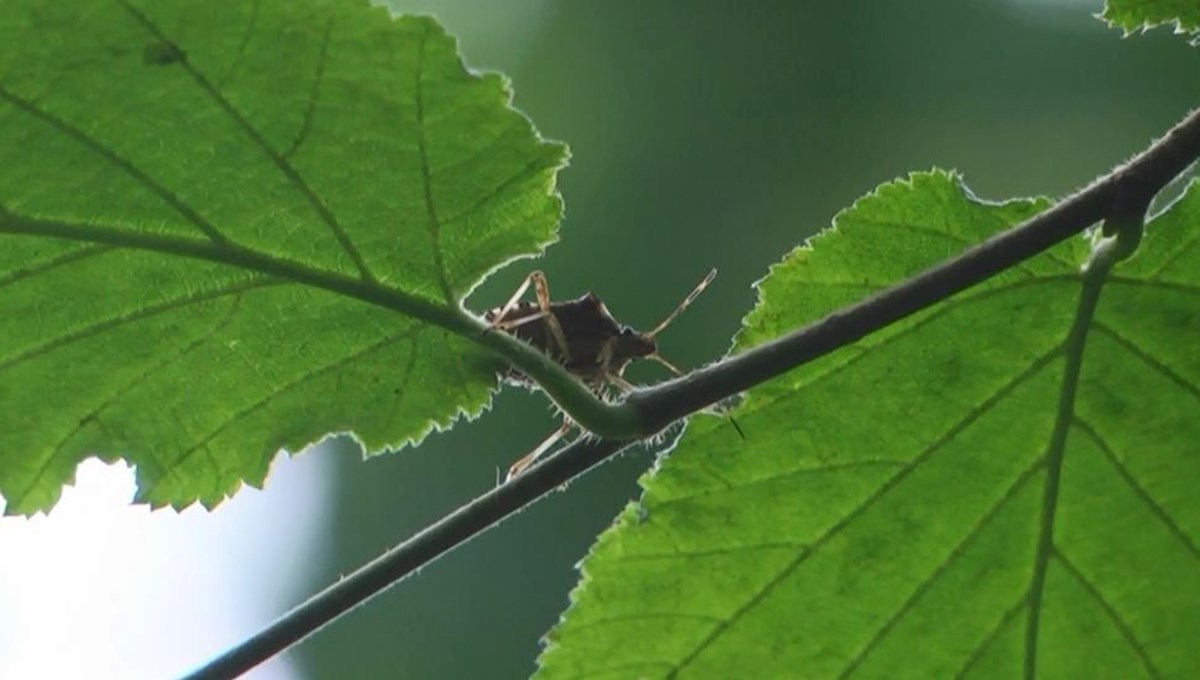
column 691, row 297
column 682, row 306
column 670, row 366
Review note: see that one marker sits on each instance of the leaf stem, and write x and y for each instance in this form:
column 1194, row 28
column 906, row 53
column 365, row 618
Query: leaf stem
column 1121, row 197
column 1127, row 233
column 619, row 421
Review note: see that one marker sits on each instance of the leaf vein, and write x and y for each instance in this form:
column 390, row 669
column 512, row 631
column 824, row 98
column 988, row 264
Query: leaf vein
column 125, row 165
column 93, row 415
column 711, row 552
column 910, row 603
column 406, row 374
column 482, row 150
column 977, row 653
column 1174, row 257
column 538, row 163
column 1147, row 359
column 851, row 285
column 70, row 257
column 1123, row 472
column 248, row 33
column 795, row 472
column 281, row 163
column 973, row 415
column 432, row 223
column 1111, row 612
column 314, row 93
column 1073, row 349
column 1156, row 284
column 642, row 616
column 371, row 292
column 618, row 668
column 277, row 390
column 949, row 236
column 140, row 314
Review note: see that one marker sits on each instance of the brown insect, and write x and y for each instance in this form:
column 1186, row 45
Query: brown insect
column 583, row 336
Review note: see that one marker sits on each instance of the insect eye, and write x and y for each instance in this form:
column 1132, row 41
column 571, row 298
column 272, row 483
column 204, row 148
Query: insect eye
column 626, row 331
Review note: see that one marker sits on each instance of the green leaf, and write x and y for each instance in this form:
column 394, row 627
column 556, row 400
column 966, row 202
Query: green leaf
column 1142, row 15
column 210, row 219
column 909, row 506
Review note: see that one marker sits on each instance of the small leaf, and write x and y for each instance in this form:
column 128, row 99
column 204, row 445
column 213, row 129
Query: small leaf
column 894, row 504
column 209, row 219
column 1142, row 15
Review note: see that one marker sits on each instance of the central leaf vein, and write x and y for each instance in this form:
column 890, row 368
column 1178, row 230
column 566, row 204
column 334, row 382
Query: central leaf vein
column 373, row 293
column 1089, row 298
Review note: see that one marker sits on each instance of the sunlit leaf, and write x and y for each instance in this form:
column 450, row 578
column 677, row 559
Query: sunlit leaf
column 153, row 155
column 1135, row 15
column 895, row 507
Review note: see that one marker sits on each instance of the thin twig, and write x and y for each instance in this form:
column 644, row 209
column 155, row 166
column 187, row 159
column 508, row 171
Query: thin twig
column 1124, row 192
column 422, row 548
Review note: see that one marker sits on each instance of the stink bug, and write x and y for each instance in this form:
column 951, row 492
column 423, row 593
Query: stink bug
column 583, row 336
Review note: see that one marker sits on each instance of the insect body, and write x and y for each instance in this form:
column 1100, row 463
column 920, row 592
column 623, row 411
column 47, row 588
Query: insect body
column 580, row 334
column 583, row 336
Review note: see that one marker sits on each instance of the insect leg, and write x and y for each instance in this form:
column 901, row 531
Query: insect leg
column 670, row 367
column 606, row 375
column 531, row 457
column 605, row 355
column 620, row 383
column 541, row 289
column 509, row 325
column 512, row 301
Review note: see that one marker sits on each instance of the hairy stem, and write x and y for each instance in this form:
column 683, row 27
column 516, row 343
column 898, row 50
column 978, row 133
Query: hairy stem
column 427, row 545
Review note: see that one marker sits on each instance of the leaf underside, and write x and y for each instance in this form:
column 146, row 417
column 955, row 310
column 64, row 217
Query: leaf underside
column 343, row 143
column 891, row 508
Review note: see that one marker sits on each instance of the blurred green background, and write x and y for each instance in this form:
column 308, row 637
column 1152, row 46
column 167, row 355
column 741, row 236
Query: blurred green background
column 714, row 134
